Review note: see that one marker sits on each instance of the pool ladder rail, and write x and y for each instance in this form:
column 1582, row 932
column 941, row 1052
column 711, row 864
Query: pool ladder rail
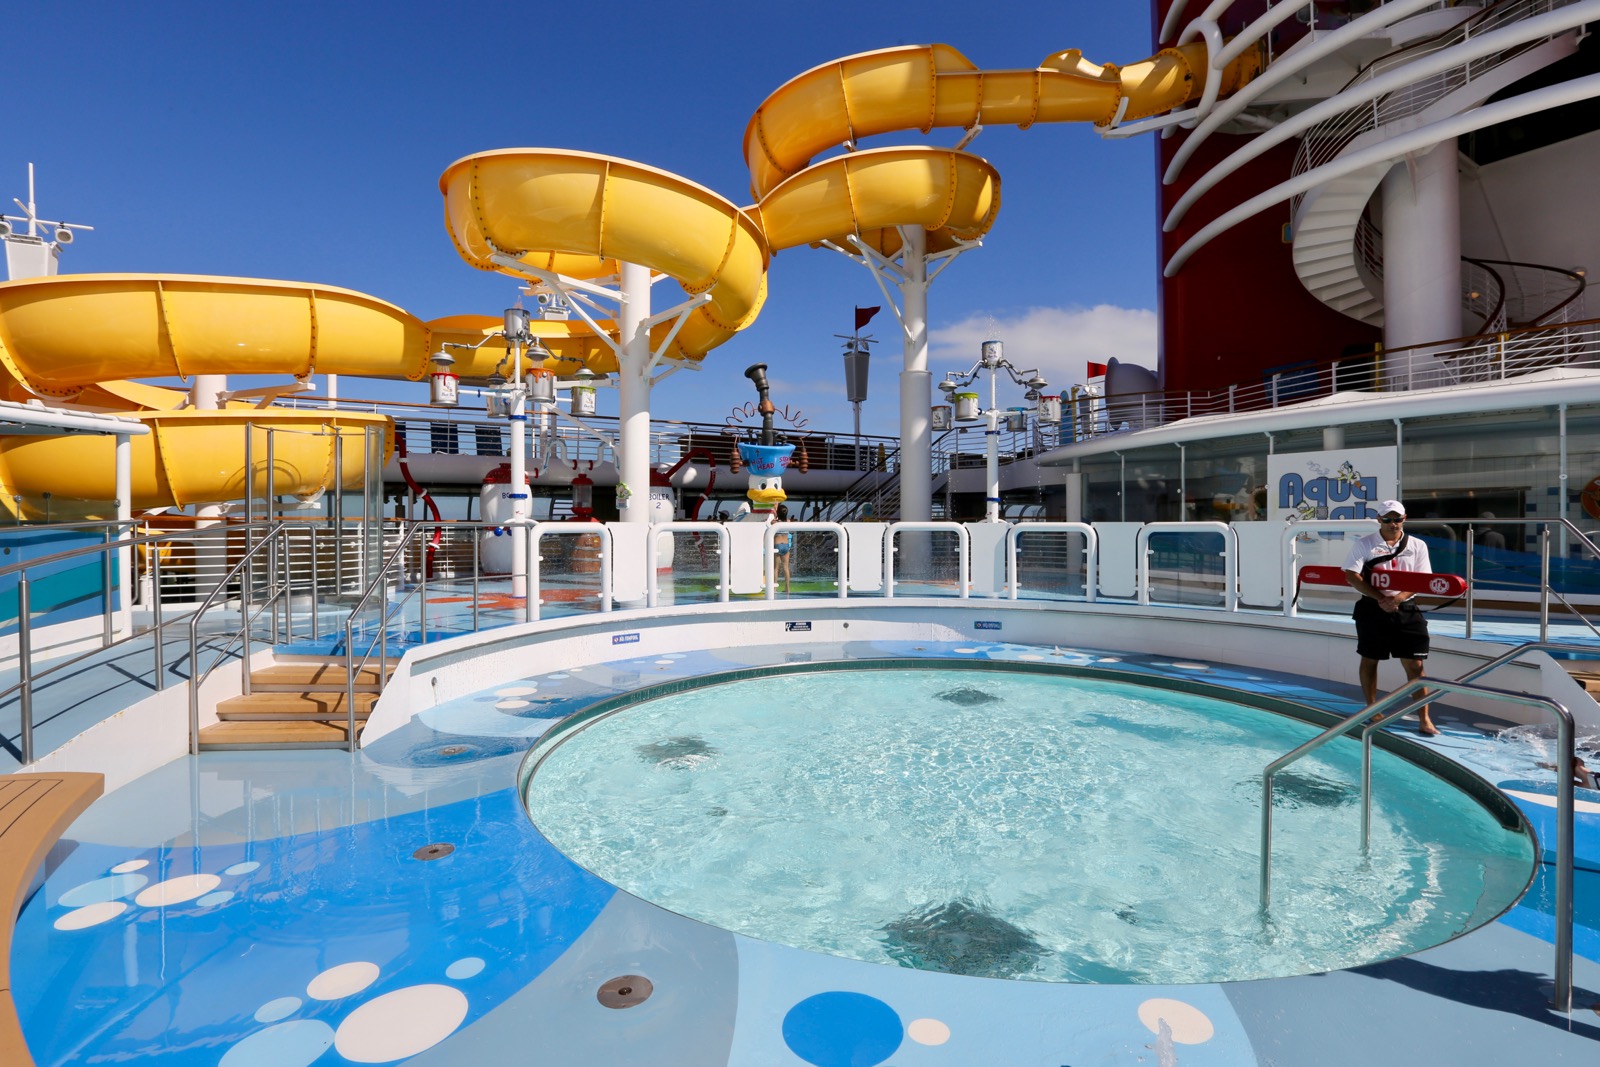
column 1405, row 700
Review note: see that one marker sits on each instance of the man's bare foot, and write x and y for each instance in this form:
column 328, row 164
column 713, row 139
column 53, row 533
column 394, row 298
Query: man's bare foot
column 1426, row 728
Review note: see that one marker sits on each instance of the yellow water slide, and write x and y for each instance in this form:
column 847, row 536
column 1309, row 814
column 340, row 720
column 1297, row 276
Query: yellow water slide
column 951, row 194
column 580, row 215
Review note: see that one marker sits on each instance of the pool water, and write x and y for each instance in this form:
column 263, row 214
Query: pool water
column 1017, row 825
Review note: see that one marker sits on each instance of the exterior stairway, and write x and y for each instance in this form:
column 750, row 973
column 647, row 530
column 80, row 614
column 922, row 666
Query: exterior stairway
column 294, row 705
column 1328, row 255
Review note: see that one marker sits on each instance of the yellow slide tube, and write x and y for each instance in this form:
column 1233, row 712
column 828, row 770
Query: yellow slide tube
column 949, row 194
column 189, row 457
column 580, row 214
column 919, row 87
column 73, row 336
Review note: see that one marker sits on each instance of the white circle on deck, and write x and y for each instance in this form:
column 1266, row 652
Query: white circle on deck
column 928, row 1032
column 178, row 890
column 557, row 677
column 130, row 866
column 92, row 915
column 102, row 889
column 967, row 651
column 466, row 967
column 516, row 690
column 1189, row 1024
column 1191, row 666
column 1548, row 800
column 511, row 705
column 668, row 662
column 1030, row 655
column 241, row 868
column 273, row 1010
column 293, row 1044
column 342, row 981
column 400, row 1024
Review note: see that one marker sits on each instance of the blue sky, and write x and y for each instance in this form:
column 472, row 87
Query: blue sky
column 305, row 141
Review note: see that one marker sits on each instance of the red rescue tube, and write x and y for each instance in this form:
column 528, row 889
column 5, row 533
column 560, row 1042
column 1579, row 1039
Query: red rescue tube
column 1382, row 578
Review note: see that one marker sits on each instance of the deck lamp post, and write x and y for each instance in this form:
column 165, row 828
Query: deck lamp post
column 968, row 408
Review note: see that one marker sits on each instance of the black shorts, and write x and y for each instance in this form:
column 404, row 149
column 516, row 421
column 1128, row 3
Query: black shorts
column 1380, row 634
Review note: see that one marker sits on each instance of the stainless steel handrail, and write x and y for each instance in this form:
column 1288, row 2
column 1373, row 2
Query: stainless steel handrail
column 1405, row 700
column 247, row 620
column 28, row 674
column 352, row 665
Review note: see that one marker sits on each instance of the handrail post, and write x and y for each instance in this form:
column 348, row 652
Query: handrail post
column 155, row 580
column 1544, row 582
column 316, row 596
column 477, row 540
column 25, row 665
column 105, row 584
column 1470, row 540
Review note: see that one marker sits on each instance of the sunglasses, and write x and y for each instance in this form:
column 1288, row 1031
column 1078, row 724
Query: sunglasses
column 1393, row 520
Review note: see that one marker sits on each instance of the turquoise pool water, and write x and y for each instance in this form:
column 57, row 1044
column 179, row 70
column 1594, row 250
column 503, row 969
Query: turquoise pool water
column 1011, row 825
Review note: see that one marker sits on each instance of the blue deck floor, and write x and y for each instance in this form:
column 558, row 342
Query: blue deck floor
column 278, row 910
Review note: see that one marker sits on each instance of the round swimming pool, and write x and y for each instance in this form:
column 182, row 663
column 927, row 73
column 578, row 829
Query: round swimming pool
column 1016, row 825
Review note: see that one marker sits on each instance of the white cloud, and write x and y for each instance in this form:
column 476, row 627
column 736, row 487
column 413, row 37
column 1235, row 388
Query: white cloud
column 1058, row 341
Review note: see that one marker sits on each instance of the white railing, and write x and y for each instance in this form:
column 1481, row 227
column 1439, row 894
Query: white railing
column 1327, row 140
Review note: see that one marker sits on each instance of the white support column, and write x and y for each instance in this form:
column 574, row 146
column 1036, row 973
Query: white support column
column 916, row 384
column 633, row 399
column 205, row 391
column 520, row 502
column 1421, row 261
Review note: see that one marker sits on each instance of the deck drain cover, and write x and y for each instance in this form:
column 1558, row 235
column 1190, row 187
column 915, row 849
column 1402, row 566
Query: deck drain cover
column 437, row 851
column 626, row 991
column 452, row 750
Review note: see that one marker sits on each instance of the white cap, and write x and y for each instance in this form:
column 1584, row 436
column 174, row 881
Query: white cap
column 1391, row 507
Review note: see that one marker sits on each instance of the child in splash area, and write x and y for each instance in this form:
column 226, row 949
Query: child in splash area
column 781, row 545
column 1582, row 776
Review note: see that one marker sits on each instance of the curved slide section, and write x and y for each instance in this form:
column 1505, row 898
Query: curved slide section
column 952, row 195
column 919, row 87
column 581, row 214
column 157, row 326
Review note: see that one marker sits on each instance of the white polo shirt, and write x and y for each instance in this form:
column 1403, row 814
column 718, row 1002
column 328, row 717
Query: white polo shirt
column 1373, row 546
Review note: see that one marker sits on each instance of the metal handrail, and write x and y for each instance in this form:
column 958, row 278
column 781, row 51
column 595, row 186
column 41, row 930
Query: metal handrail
column 1230, row 556
column 770, row 551
column 652, row 556
column 963, row 552
column 351, row 664
column 247, row 620
column 1091, row 552
column 1405, row 700
column 28, row 675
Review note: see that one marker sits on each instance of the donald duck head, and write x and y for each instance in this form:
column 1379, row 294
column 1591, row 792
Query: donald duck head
column 766, row 464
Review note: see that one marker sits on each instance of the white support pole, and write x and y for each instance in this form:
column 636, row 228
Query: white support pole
column 1421, row 262
column 916, row 384
column 205, row 394
column 633, row 401
column 124, row 490
column 519, row 474
column 991, row 496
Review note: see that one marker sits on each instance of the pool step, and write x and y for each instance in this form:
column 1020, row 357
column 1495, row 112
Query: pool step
column 295, row 704
column 314, row 677
column 278, row 733
column 296, row 707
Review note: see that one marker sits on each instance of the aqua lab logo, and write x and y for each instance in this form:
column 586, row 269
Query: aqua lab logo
column 1340, row 494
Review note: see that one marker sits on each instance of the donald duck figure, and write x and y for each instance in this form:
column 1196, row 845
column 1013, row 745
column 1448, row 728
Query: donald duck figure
column 766, row 461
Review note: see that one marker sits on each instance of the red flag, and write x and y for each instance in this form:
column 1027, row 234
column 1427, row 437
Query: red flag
column 1097, row 370
column 864, row 315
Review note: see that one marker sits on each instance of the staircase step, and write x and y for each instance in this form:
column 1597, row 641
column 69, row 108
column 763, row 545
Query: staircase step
column 300, row 677
column 294, row 706
column 276, row 734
